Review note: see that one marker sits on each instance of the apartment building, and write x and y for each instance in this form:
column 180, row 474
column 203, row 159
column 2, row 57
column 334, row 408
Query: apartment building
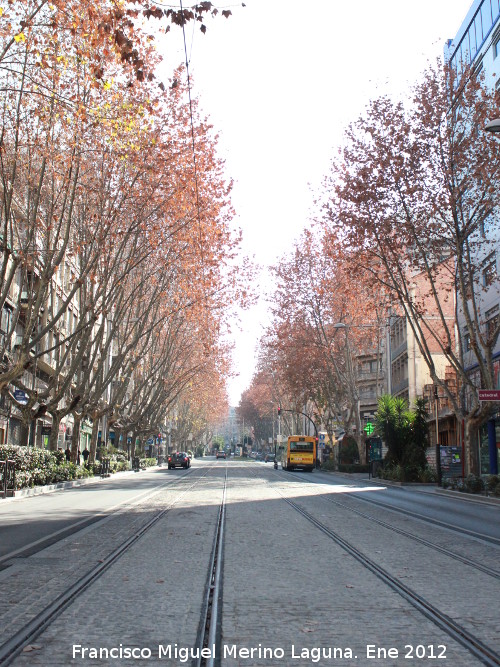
column 477, row 43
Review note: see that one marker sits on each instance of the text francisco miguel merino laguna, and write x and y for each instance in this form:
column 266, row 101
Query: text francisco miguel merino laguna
column 185, row 654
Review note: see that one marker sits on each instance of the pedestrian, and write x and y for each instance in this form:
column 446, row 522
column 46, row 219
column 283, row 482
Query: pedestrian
column 67, row 453
column 78, row 456
column 85, row 455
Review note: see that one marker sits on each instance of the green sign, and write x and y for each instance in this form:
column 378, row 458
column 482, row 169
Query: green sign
column 369, row 428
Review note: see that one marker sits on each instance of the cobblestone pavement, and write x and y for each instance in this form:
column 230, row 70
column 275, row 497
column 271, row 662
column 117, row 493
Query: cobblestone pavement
column 152, row 595
column 291, row 596
column 299, row 593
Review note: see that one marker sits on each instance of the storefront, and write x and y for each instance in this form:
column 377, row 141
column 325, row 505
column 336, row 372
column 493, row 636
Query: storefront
column 85, row 434
column 489, row 432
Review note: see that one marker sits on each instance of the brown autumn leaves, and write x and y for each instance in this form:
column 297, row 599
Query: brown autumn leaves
column 406, row 218
column 118, row 253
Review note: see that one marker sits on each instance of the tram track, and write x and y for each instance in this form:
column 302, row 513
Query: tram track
column 29, row 632
column 94, row 520
column 421, row 540
column 415, row 515
column 436, row 522
column 486, row 654
column 209, row 632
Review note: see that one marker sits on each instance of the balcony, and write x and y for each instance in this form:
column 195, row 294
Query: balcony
column 397, row 387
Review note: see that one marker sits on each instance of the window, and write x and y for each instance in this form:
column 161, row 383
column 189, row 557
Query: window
column 5, row 322
column 466, row 341
column 496, row 46
column 489, row 270
column 486, row 16
column 492, row 317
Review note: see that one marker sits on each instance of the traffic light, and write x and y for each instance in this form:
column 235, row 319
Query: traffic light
column 279, row 412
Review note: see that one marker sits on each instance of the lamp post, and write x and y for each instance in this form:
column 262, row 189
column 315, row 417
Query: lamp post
column 438, row 448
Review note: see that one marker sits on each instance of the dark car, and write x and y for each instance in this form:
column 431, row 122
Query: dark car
column 269, row 458
column 179, row 460
column 220, row 455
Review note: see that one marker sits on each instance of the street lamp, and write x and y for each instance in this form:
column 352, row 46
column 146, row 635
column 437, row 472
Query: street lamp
column 493, row 125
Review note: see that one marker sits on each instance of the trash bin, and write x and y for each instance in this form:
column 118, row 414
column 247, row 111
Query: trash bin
column 136, row 464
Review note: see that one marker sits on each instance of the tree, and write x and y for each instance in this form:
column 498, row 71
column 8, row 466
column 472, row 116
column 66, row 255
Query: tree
column 409, row 200
column 114, row 244
column 405, row 433
column 319, row 329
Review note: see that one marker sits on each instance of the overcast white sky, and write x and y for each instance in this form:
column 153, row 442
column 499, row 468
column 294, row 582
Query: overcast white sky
column 280, row 79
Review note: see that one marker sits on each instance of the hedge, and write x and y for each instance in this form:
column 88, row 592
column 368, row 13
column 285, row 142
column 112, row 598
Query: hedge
column 37, row 467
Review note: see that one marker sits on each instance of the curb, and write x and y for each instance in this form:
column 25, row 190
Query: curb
column 471, row 497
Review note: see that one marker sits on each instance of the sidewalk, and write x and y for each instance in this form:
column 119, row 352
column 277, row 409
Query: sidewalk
column 62, row 486
column 422, row 488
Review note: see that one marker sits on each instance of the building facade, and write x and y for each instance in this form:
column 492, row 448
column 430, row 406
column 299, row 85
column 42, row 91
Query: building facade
column 477, row 44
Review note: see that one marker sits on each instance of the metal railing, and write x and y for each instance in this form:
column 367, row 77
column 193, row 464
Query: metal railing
column 105, row 468
column 7, row 479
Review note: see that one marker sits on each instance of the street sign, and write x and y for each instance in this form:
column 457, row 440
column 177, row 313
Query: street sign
column 369, row 428
column 489, row 394
column 21, row 396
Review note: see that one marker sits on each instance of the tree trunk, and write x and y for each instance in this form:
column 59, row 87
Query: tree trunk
column 24, row 434
column 93, row 439
column 54, row 431
column 75, row 438
column 470, row 447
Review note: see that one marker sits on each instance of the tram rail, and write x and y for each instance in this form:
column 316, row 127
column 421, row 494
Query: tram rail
column 486, row 654
column 31, row 630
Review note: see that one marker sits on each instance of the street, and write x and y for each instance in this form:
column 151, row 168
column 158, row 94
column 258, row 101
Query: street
column 309, row 571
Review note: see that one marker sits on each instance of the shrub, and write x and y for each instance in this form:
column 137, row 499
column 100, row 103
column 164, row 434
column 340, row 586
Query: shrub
column 354, row 467
column 392, row 472
column 349, row 450
column 492, row 482
column 329, row 464
column 473, row 484
column 496, row 491
column 38, row 467
column 119, row 466
column 428, row 475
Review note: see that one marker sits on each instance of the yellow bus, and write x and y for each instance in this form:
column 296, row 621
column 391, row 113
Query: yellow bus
column 300, row 453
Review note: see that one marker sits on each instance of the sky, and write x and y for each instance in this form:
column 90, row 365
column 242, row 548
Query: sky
column 280, row 80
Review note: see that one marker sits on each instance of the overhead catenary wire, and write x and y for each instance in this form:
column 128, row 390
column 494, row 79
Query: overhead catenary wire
column 192, row 138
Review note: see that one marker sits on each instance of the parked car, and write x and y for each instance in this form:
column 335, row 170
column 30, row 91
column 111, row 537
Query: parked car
column 179, row 460
column 220, row 455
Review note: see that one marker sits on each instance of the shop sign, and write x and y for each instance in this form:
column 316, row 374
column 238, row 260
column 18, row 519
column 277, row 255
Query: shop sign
column 489, row 394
